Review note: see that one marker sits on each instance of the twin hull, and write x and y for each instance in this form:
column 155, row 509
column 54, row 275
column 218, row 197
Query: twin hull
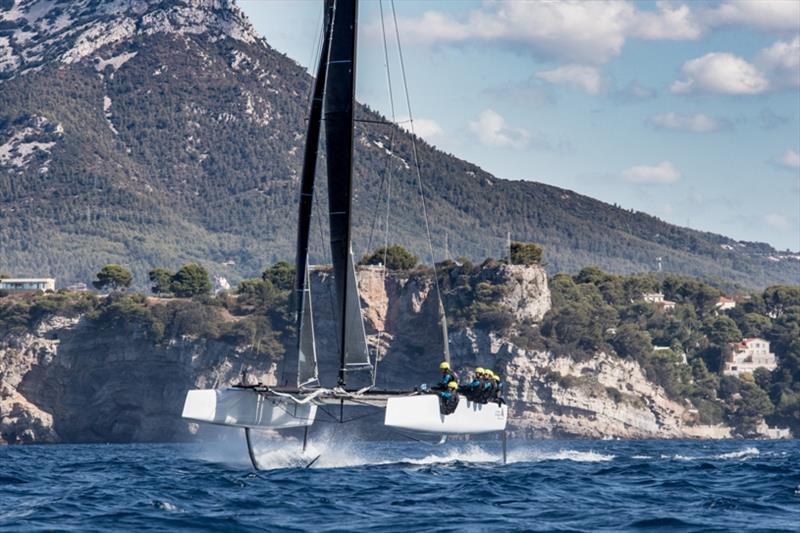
column 420, row 413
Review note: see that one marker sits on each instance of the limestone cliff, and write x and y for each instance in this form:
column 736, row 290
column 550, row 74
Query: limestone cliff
column 67, row 380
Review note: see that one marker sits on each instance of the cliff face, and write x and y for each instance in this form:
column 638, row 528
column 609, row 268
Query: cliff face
column 68, row 381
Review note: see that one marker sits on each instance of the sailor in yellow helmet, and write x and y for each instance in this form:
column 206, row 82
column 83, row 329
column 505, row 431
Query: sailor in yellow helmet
column 448, row 398
column 474, row 386
column 447, row 376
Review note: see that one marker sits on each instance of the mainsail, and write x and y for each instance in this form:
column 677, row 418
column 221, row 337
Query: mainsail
column 339, row 98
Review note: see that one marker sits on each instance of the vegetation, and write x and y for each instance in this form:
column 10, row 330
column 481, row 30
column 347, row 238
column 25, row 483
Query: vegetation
column 595, row 311
column 190, row 280
column 525, row 253
column 394, row 257
column 113, row 277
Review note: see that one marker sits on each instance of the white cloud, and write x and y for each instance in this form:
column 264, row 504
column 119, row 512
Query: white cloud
column 778, row 222
column 667, row 23
column 697, row 123
column 573, row 30
column 720, row 73
column 587, row 79
column 664, row 172
column 780, row 15
column 781, row 62
column 491, row 130
column 789, row 159
column 427, row 128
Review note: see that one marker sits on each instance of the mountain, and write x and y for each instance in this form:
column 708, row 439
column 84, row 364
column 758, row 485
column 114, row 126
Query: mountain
column 152, row 133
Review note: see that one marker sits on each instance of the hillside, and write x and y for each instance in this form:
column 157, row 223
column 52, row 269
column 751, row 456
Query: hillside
column 152, row 133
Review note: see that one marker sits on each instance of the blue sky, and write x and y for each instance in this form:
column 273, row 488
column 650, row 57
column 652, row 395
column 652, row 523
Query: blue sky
column 690, row 112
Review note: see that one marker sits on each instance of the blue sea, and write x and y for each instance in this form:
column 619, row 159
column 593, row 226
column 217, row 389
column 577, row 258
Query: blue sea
column 403, row 486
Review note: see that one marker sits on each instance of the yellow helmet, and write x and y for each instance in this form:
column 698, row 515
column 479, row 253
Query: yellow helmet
column 444, row 365
column 479, row 370
column 452, row 385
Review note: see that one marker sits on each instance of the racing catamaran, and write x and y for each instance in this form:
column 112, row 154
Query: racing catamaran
column 281, row 407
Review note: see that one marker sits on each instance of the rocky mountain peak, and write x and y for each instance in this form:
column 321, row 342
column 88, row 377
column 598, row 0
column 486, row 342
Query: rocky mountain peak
column 36, row 32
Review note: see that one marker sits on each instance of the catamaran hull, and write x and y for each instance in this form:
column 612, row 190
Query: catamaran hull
column 246, row 408
column 422, row 414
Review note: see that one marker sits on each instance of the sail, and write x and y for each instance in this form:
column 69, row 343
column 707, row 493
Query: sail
column 338, row 114
column 306, row 350
column 307, row 371
column 356, row 350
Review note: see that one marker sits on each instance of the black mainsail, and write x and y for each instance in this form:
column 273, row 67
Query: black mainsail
column 338, row 116
column 332, row 101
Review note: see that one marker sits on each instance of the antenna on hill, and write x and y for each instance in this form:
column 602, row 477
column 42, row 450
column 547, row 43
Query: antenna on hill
column 659, row 263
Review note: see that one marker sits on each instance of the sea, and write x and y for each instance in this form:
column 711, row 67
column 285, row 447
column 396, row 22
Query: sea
column 355, row 485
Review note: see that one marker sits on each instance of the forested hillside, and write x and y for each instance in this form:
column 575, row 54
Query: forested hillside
column 160, row 132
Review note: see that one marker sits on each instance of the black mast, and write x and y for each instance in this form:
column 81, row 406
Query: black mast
column 339, row 98
column 310, row 157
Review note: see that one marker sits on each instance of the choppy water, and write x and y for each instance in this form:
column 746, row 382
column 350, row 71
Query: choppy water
column 547, row 486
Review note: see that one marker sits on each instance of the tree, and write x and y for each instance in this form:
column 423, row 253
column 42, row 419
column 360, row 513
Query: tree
column 191, row 280
column 722, row 331
column 525, row 253
column 281, row 275
column 632, row 342
column 114, row 277
column 161, row 278
column 752, row 407
column 396, row 258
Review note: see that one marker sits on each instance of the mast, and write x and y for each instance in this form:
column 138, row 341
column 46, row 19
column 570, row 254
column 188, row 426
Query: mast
column 339, row 98
column 302, row 300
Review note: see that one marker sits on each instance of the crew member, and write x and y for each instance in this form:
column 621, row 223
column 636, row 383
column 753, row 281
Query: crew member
column 487, row 392
column 448, row 398
column 475, row 386
column 448, row 376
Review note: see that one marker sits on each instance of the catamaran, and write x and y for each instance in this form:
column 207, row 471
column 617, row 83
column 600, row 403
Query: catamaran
column 282, row 407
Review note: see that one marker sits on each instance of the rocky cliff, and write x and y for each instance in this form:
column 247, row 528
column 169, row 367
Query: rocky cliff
column 69, row 380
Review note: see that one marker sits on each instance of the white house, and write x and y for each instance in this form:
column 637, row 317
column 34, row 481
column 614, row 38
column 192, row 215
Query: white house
column 657, row 298
column 724, row 303
column 28, row 284
column 744, row 357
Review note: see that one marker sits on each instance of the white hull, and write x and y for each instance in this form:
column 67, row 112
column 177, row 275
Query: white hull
column 246, row 408
column 422, row 414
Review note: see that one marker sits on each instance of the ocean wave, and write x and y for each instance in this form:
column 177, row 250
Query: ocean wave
column 519, row 456
column 745, row 453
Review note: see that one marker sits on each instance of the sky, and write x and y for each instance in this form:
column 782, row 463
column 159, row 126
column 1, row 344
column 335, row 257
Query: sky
column 687, row 111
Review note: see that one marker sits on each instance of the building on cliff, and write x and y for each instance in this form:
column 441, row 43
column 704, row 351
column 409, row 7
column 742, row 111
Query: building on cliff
column 745, row 356
column 28, row 284
column 657, row 298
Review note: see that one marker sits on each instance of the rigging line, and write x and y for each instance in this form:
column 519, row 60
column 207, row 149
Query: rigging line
column 419, row 173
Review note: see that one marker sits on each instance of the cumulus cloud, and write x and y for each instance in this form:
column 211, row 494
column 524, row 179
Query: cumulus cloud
column 775, row 67
column 769, row 15
column 781, row 62
column 720, row 73
column 789, row 159
column 587, row 79
column 777, row 221
column 426, row 128
column 491, row 130
column 662, row 173
column 697, row 123
column 572, row 30
column 668, row 23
